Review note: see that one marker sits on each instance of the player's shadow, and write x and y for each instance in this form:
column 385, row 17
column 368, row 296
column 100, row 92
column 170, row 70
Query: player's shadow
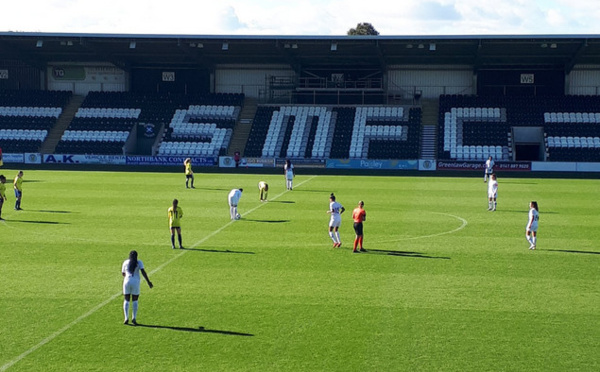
column 308, row 190
column 282, row 201
column 521, row 211
column 520, row 183
column 47, row 211
column 266, row 221
column 402, row 254
column 40, row 222
column 214, row 250
column 570, row 251
column 211, row 189
column 200, row 329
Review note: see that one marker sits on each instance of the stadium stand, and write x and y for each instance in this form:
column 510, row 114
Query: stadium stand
column 320, row 132
column 27, row 116
column 204, row 130
column 106, row 119
column 473, row 128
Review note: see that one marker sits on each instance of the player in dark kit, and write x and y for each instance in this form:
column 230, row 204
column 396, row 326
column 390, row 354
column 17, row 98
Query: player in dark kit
column 359, row 215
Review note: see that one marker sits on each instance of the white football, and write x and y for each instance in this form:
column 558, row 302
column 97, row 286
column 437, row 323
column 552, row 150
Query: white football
column 238, row 216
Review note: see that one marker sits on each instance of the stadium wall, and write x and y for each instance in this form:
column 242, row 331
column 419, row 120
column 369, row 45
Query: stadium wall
column 584, row 80
column 84, row 78
column 432, row 81
column 250, row 80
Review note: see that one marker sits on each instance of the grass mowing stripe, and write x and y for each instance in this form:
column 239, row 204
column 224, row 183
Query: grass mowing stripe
column 111, row 298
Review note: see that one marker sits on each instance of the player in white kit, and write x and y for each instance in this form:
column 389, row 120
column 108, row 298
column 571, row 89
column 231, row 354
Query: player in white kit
column 492, row 193
column 489, row 168
column 532, row 224
column 288, row 170
column 131, row 269
column 233, row 199
column 336, row 210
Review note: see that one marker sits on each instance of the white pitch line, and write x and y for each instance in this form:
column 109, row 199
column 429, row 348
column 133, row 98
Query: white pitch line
column 464, row 224
column 111, row 298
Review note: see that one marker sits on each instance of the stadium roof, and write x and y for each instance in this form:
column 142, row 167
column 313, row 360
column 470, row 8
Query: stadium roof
column 207, row 51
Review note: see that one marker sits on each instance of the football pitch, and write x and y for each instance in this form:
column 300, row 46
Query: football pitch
column 445, row 284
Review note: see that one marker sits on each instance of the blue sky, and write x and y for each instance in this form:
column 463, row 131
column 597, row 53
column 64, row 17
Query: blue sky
column 308, row 17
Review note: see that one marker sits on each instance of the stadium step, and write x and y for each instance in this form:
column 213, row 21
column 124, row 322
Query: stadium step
column 241, row 132
column 62, row 123
column 429, row 119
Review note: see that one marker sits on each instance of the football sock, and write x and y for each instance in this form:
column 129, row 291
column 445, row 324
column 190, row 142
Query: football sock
column 528, row 239
column 126, row 308
column 495, row 203
column 533, row 240
column 134, row 309
column 332, row 237
column 337, row 236
column 360, row 242
column 173, row 240
column 179, row 238
column 355, row 244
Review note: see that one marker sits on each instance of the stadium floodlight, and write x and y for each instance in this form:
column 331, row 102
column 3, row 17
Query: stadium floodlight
column 39, row 43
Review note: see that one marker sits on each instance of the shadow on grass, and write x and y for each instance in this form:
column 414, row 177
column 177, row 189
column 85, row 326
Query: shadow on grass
column 307, row 190
column 47, row 211
column 401, row 254
column 282, row 201
column 570, row 251
column 200, row 329
column 266, row 221
column 214, row 250
column 520, row 183
column 40, row 222
column 521, row 211
column 210, row 189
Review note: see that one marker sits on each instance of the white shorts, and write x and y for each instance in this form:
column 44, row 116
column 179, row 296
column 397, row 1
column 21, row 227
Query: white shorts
column 492, row 195
column 131, row 286
column 533, row 228
column 335, row 221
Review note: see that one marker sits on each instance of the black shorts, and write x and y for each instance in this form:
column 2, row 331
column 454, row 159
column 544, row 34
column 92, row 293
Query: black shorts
column 358, row 228
column 188, row 176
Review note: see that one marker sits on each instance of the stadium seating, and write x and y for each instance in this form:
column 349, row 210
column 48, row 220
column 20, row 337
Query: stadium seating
column 321, row 132
column 105, row 120
column 473, row 128
column 27, row 116
column 200, row 130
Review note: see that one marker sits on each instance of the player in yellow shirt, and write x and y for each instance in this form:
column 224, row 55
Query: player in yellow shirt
column 18, row 186
column 263, row 189
column 175, row 214
column 189, row 174
column 2, row 193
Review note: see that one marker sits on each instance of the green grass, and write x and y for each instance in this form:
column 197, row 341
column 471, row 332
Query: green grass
column 446, row 285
